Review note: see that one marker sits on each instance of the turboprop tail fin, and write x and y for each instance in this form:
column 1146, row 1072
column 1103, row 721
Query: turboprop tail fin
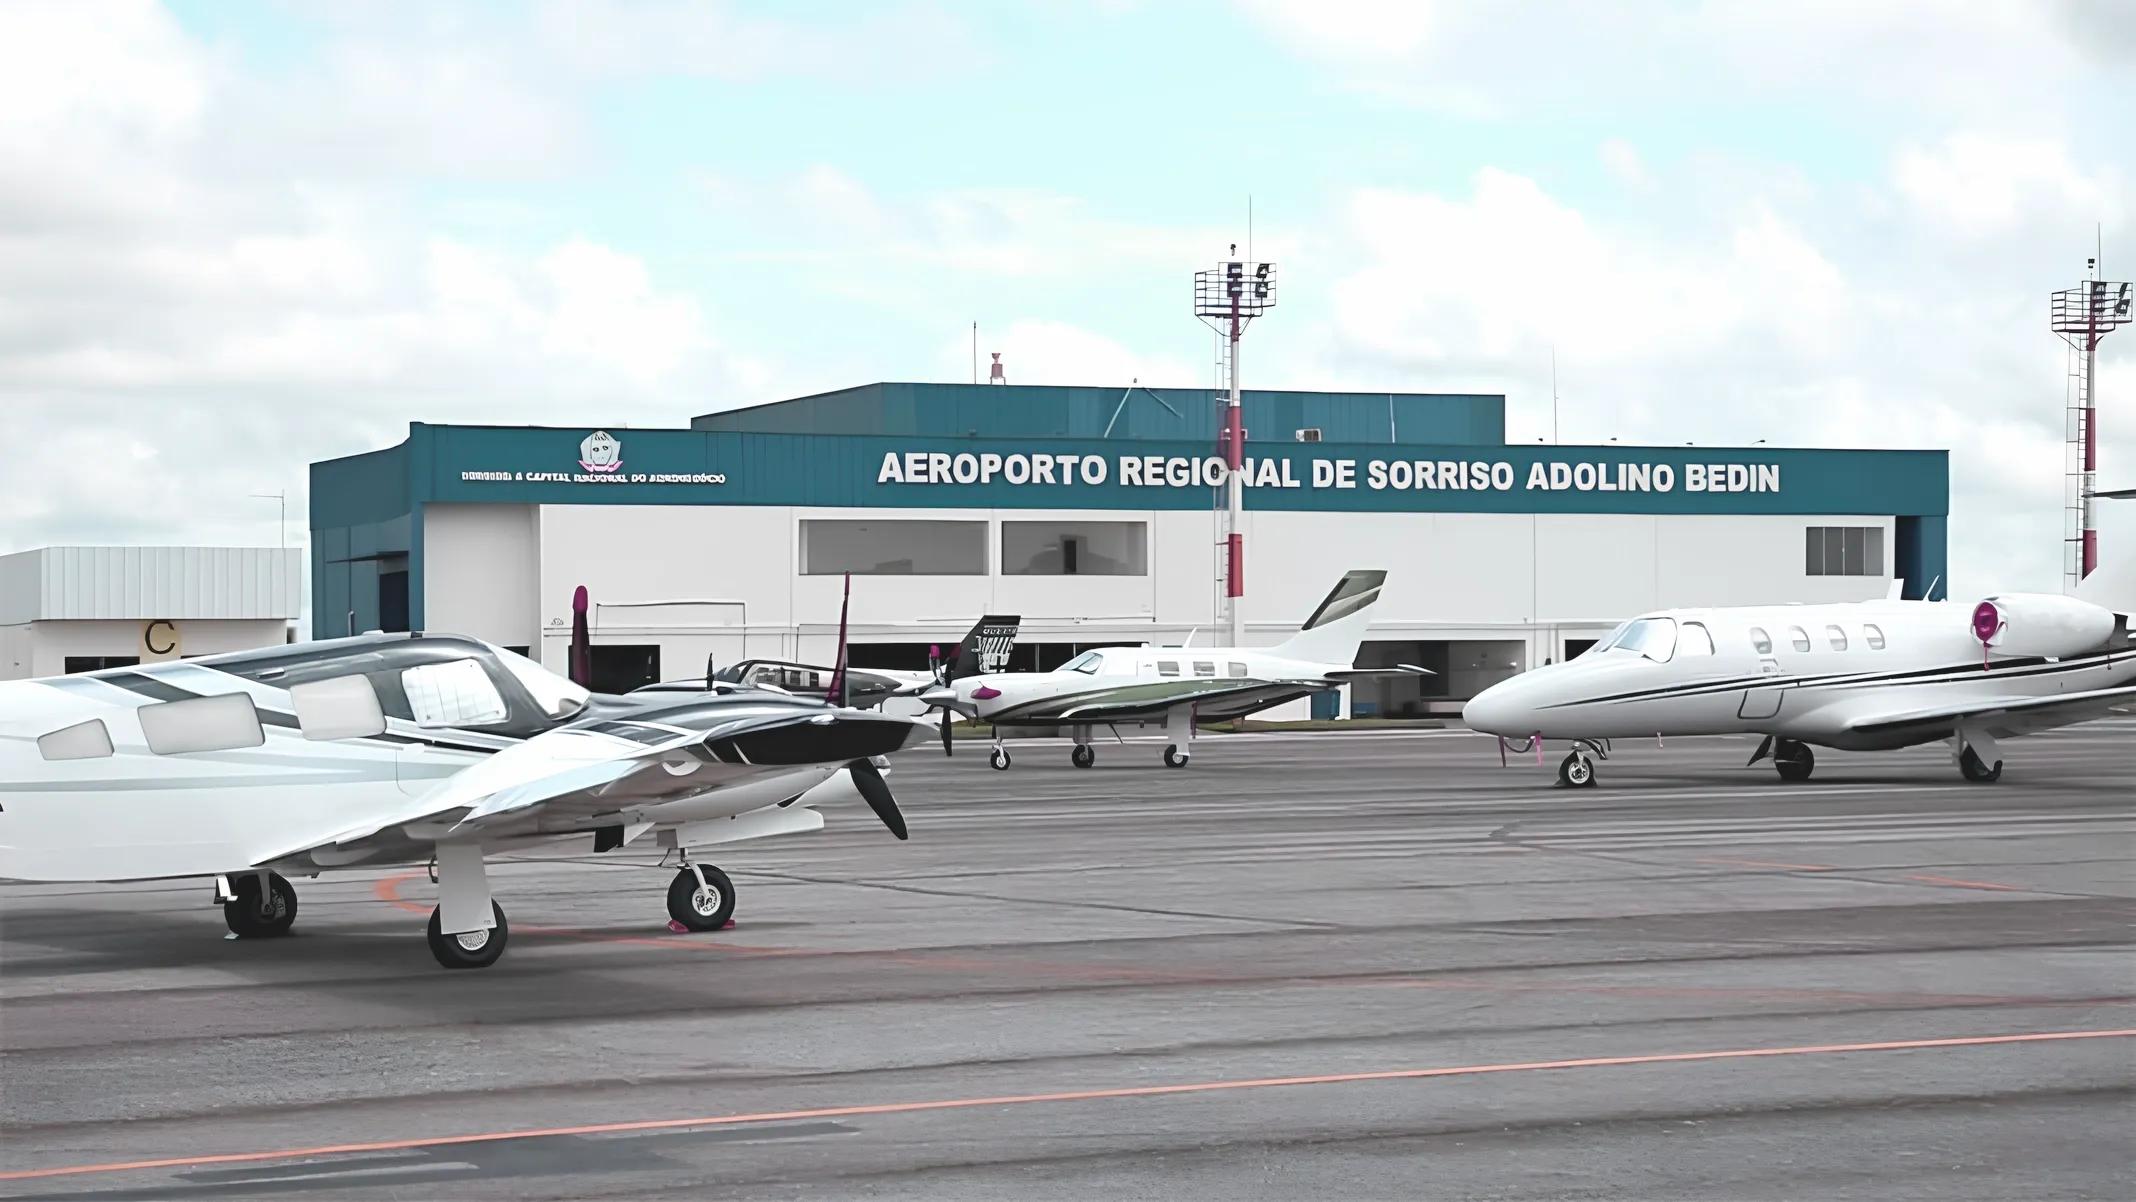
column 1336, row 629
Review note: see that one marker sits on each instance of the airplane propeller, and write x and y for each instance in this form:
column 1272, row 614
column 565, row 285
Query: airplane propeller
column 874, row 790
column 948, row 742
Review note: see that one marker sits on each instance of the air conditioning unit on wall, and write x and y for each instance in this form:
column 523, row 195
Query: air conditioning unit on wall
column 1309, row 434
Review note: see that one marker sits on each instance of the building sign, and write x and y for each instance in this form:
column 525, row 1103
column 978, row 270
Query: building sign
column 600, row 461
column 1373, row 474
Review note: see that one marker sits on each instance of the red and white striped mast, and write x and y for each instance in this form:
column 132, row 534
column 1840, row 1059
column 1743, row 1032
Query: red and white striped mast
column 2082, row 316
column 1226, row 299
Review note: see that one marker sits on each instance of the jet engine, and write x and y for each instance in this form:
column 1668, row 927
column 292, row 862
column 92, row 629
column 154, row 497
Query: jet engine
column 2044, row 624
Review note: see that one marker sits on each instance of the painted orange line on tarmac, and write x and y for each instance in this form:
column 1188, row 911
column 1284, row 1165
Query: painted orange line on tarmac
column 1770, row 864
column 1954, row 881
column 1080, row 1095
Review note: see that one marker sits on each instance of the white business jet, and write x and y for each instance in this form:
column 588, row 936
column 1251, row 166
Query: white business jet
column 409, row 749
column 1860, row 676
column 1175, row 687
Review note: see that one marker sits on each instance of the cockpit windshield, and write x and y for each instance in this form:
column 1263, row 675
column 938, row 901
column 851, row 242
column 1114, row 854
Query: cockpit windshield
column 1654, row 638
column 1088, row 663
column 557, row 697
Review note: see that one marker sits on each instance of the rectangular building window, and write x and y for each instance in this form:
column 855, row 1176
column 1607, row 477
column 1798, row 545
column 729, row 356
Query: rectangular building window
column 1075, row 549
column 97, row 663
column 892, row 547
column 1843, row 551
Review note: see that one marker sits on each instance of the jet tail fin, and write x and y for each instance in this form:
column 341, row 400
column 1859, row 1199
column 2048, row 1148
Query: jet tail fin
column 2112, row 585
column 986, row 648
column 1337, row 628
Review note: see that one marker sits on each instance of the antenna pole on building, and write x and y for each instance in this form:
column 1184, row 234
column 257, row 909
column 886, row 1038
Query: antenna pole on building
column 281, row 521
column 1226, row 299
column 1553, row 397
column 975, row 352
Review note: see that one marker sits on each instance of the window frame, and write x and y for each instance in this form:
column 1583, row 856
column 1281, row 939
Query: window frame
column 1760, row 641
column 1799, row 639
column 1836, row 635
column 1873, row 635
column 1709, row 648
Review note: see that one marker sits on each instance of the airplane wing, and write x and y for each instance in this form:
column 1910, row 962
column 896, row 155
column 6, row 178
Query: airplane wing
column 2005, row 716
column 568, row 779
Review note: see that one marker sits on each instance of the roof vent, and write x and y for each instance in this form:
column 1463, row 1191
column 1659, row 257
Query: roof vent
column 1309, row 434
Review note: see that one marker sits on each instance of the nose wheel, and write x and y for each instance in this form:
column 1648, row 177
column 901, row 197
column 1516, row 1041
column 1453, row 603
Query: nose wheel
column 1082, row 756
column 701, row 898
column 999, row 761
column 1577, row 770
column 260, row 913
column 1174, row 757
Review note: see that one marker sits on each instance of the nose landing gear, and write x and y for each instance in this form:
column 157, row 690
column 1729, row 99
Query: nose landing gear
column 257, row 911
column 1577, row 769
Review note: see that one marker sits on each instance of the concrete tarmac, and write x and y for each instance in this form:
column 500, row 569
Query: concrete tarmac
column 1336, row 966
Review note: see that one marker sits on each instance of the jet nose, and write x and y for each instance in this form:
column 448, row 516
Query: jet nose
column 1495, row 711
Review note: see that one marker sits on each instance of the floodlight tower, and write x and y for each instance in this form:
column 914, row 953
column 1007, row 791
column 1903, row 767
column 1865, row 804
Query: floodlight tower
column 1226, row 299
column 2082, row 316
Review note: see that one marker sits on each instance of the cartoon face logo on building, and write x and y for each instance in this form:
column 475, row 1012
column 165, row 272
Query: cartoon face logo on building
column 600, row 452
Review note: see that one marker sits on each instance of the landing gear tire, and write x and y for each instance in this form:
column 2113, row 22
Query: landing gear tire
column 701, row 909
column 1083, row 756
column 472, row 949
column 255, row 916
column 999, row 761
column 1973, row 769
column 1174, row 757
column 1794, row 761
column 1577, row 771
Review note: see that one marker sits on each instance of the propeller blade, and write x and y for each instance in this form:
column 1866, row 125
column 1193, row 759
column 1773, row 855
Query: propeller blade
column 579, row 664
column 836, row 693
column 947, row 740
column 874, row 790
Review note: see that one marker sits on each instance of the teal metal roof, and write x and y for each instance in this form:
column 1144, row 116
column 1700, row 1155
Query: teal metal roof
column 1024, row 411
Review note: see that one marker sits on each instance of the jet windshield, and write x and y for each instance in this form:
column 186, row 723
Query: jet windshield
column 557, row 697
column 1654, row 638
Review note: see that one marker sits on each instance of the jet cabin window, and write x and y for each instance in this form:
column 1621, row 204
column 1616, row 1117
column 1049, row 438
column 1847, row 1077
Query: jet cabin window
column 1203, row 667
column 1087, row 663
column 1761, row 641
column 1838, row 637
column 1800, row 637
column 1167, row 667
column 1696, row 640
column 1874, row 636
column 1238, row 670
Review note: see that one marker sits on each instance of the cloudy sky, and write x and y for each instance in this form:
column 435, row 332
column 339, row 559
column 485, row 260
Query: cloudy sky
column 237, row 238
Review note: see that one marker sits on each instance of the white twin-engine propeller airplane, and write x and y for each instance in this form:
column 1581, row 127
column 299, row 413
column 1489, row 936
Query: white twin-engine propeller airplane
column 1174, row 687
column 409, row 749
column 1860, row 676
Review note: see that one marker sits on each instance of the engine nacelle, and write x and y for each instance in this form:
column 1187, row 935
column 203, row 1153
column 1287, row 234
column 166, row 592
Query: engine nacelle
column 2045, row 624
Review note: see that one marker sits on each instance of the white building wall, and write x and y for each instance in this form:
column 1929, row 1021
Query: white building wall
column 481, row 571
column 41, row 648
column 724, row 582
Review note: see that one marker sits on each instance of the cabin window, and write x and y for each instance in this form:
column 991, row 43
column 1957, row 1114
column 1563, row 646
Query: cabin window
column 220, row 723
column 1167, row 667
column 1654, row 638
column 1760, row 640
column 1238, row 670
column 1838, row 637
column 1874, row 636
column 455, row 693
column 89, row 740
column 1204, row 667
column 339, row 707
column 1800, row 637
column 1696, row 640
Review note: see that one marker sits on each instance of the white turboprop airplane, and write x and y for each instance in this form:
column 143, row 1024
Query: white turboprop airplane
column 1175, row 687
column 1859, row 676
column 408, row 749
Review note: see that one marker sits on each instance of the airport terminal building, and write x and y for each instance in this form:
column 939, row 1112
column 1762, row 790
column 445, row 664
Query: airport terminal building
column 1093, row 514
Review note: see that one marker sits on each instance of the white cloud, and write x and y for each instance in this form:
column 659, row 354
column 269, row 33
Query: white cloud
column 1978, row 185
column 1621, row 159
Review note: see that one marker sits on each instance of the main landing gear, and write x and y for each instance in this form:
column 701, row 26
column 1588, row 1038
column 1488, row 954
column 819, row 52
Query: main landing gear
column 1792, row 758
column 999, row 761
column 257, row 905
column 700, row 897
column 1174, row 757
column 1083, row 756
column 467, row 929
column 1979, row 759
